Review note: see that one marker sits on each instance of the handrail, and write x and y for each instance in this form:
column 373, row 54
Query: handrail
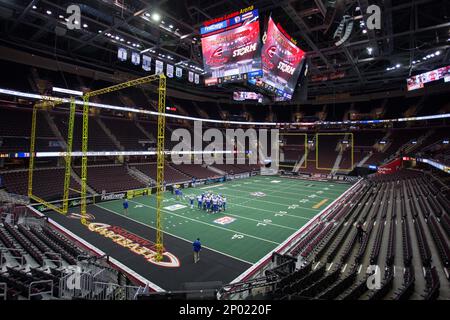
column 34, row 283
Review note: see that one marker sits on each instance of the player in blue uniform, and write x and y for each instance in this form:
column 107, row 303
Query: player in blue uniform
column 191, row 201
column 125, row 207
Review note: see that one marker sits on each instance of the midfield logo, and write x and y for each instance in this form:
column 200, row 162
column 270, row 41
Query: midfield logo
column 175, row 207
column 225, row 220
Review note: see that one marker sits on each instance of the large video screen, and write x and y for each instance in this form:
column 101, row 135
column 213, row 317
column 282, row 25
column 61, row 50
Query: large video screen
column 282, row 62
column 247, row 95
column 419, row 81
column 232, row 49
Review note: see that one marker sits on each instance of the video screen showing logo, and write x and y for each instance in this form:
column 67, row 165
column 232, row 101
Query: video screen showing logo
column 282, row 62
column 231, row 49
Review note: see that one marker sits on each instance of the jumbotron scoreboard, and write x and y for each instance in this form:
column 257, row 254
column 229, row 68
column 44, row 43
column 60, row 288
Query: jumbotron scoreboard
column 235, row 51
column 231, row 48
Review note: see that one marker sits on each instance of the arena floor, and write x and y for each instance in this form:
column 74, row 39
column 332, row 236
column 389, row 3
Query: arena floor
column 262, row 212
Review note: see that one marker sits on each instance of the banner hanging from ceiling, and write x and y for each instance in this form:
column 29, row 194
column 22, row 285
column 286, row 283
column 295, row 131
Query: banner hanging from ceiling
column 178, row 72
column 122, row 54
column 146, row 63
column 159, row 67
column 169, row 70
column 135, row 58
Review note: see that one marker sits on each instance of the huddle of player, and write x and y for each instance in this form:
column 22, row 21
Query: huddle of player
column 211, row 203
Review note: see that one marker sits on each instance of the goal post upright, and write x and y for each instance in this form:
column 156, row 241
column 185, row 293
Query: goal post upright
column 32, row 151
column 160, row 166
column 49, row 103
column 84, row 160
column 345, row 134
column 160, row 149
column 53, row 101
column 68, row 167
column 305, row 135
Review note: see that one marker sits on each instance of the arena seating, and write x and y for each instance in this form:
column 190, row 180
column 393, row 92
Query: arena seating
column 34, row 262
column 98, row 139
column 48, row 184
column 194, row 170
column 110, row 178
column 15, row 124
column 171, row 173
column 127, row 133
column 393, row 206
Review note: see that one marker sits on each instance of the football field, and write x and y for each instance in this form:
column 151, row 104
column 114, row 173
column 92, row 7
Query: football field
column 262, row 212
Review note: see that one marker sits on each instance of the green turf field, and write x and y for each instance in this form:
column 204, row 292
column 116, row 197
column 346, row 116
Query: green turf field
column 256, row 223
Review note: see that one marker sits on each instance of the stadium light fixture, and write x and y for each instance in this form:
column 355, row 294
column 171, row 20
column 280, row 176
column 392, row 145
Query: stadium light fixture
column 398, row 65
column 85, row 25
column 156, row 16
column 364, row 31
column 48, row 12
column 437, row 53
column 34, row 7
column 370, row 50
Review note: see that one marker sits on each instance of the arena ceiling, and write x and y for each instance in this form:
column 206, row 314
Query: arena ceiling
column 411, row 35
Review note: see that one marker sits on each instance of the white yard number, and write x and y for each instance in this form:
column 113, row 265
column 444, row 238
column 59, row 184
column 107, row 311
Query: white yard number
column 293, row 206
column 264, row 223
column 326, row 188
column 237, row 236
column 319, row 192
column 312, row 196
column 304, row 201
column 280, row 214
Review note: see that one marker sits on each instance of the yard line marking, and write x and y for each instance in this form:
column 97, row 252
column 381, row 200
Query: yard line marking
column 170, row 234
column 259, row 221
column 321, row 203
column 271, row 202
column 289, row 215
column 297, row 188
column 298, row 185
column 287, row 192
column 213, row 186
column 329, row 267
column 209, row 224
column 230, row 196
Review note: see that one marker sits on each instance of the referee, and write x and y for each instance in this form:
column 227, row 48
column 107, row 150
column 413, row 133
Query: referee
column 125, row 207
column 197, row 247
